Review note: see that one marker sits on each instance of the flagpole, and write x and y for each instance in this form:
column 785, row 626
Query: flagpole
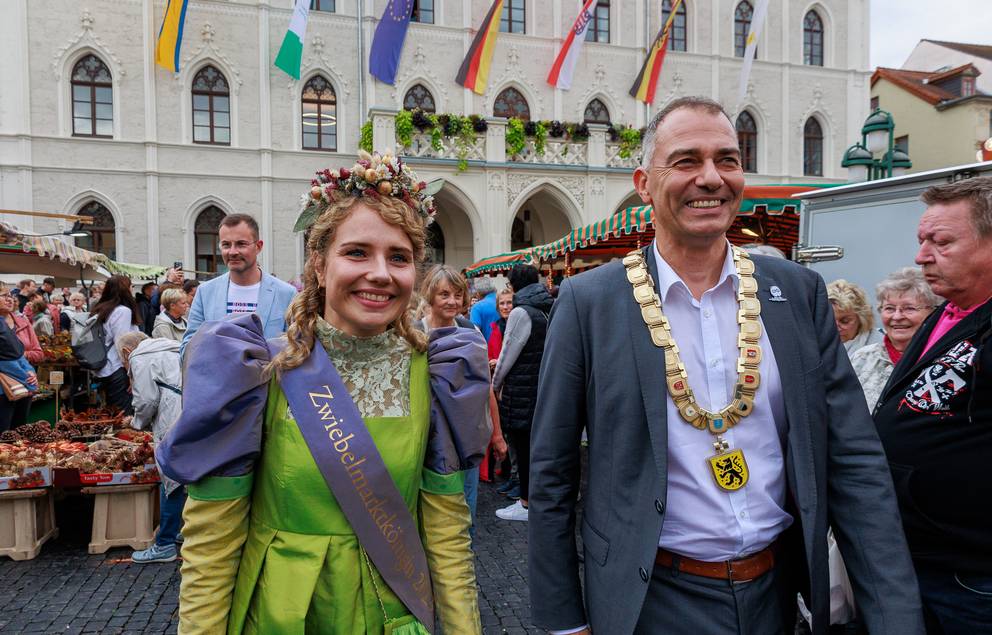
column 362, row 110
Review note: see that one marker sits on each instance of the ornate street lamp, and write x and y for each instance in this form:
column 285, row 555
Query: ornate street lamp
column 877, row 136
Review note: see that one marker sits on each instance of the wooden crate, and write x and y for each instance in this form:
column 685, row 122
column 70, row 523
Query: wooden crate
column 123, row 516
column 27, row 521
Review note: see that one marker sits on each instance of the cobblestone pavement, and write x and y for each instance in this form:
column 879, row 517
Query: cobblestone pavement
column 66, row 590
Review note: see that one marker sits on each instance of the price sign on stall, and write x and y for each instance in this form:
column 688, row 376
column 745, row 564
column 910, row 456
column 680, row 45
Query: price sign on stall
column 56, row 378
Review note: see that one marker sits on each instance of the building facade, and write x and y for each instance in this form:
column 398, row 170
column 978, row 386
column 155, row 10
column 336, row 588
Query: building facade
column 941, row 118
column 89, row 124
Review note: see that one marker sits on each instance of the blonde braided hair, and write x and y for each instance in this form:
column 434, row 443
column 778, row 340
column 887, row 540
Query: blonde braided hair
column 308, row 305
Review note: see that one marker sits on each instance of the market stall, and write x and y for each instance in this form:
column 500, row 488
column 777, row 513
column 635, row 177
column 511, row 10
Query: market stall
column 768, row 215
column 89, row 453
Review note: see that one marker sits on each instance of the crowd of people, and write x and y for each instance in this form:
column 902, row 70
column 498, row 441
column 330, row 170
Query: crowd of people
column 748, row 434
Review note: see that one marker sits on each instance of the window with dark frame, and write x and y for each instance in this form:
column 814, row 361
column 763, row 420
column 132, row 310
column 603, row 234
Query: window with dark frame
column 902, row 143
column 747, row 139
column 322, row 5
column 812, row 39
column 419, row 97
column 812, row 148
column 206, row 232
column 422, row 11
column 510, row 103
column 677, row 37
column 319, row 115
column 596, row 112
column 514, row 17
column 742, row 26
column 599, row 26
column 92, row 98
column 102, row 233
column 873, row 104
column 211, row 107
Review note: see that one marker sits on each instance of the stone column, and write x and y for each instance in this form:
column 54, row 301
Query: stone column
column 496, row 140
column 383, row 129
column 596, row 145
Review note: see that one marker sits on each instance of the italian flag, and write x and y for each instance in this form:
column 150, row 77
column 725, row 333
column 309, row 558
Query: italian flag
column 291, row 52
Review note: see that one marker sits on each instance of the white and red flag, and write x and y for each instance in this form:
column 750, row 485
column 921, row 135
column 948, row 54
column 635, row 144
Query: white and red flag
column 561, row 72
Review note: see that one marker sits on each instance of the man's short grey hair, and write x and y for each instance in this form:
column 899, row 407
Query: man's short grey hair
column 908, row 280
column 129, row 341
column 976, row 190
column 695, row 102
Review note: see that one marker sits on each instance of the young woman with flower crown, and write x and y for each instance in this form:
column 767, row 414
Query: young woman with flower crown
column 324, row 468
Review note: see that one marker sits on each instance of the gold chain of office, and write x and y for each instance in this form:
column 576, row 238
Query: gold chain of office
column 727, row 468
column 749, row 333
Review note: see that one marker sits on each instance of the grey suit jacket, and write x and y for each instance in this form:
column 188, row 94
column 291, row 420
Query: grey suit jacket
column 602, row 372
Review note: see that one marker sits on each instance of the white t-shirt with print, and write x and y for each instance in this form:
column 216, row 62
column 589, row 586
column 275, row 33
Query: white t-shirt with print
column 242, row 299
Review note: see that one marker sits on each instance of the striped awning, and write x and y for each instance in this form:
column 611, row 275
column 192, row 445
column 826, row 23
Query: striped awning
column 502, row 262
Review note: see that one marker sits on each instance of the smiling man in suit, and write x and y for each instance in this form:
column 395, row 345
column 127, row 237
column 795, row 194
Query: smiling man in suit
column 726, row 428
column 245, row 288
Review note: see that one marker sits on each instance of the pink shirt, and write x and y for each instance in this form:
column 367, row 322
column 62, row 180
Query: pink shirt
column 949, row 319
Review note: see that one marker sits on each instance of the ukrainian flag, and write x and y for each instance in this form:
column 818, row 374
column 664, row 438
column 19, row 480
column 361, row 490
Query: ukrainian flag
column 170, row 36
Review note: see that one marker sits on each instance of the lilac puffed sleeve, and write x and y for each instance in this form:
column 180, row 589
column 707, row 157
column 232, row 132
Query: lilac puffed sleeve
column 224, row 394
column 459, row 370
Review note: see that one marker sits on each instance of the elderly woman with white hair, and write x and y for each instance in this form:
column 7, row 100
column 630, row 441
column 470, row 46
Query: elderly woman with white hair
column 156, row 387
column 171, row 322
column 904, row 302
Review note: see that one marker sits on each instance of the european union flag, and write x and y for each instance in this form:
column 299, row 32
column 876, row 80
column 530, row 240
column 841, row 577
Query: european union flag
column 384, row 58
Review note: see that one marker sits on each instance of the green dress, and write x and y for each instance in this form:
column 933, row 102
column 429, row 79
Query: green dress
column 302, row 569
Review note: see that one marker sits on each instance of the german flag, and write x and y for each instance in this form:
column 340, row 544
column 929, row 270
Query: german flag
column 474, row 73
column 647, row 80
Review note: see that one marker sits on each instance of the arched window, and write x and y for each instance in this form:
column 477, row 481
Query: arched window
column 812, row 148
column 742, row 26
column 92, row 99
column 319, row 115
column 102, row 233
column 510, row 103
column 596, row 112
column 419, row 97
column 747, row 139
column 813, row 39
column 211, row 107
column 207, row 240
column 677, row 37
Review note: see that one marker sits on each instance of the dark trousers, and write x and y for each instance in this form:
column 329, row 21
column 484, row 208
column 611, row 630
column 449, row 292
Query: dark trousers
column 13, row 413
column 955, row 603
column 678, row 603
column 117, row 389
column 170, row 515
column 520, row 440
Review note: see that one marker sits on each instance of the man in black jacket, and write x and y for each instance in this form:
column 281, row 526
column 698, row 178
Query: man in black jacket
column 935, row 414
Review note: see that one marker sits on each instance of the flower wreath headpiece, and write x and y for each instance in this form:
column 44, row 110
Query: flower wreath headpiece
column 372, row 175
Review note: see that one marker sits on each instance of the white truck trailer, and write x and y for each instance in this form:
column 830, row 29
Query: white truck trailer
column 871, row 226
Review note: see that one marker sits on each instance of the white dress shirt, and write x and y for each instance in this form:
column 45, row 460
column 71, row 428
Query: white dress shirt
column 702, row 520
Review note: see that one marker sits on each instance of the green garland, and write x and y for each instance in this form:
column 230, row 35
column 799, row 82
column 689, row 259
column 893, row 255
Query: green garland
column 516, row 140
column 540, row 136
column 365, row 141
column 630, row 141
column 404, row 128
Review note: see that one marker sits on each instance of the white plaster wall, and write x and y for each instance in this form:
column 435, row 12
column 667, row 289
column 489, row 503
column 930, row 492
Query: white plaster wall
column 157, row 173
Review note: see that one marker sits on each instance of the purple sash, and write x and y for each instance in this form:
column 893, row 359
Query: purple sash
column 356, row 474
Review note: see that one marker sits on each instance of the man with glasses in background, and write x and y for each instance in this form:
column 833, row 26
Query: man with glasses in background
column 245, row 288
